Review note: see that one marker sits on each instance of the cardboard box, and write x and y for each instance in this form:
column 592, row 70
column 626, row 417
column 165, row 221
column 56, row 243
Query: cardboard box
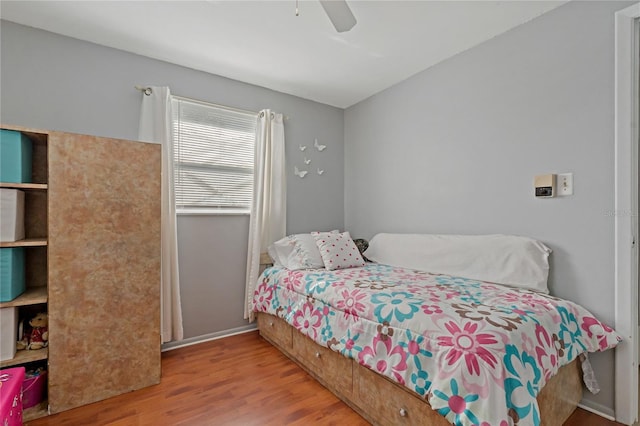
column 8, row 332
column 12, row 270
column 11, row 396
column 11, row 215
column 16, row 151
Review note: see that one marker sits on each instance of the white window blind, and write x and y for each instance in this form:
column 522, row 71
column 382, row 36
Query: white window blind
column 214, row 149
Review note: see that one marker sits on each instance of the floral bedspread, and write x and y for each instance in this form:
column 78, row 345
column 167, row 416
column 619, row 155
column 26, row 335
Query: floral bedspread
column 479, row 352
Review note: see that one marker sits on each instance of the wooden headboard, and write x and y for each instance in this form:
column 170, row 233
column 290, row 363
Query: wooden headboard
column 265, row 259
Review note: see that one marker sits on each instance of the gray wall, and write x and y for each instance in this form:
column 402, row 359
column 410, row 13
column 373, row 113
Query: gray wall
column 451, row 150
column 454, row 149
column 59, row 83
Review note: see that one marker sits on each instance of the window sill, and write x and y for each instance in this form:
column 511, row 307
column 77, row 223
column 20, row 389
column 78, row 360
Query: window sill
column 211, row 212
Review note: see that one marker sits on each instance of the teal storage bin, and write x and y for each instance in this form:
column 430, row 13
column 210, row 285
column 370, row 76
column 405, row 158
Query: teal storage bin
column 15, row 157
column 12, row 282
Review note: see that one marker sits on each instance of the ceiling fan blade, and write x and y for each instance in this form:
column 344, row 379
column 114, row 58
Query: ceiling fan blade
column 339, row 13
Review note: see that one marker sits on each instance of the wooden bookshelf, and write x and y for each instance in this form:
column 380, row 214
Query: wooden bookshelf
column 24, row 356
column 36, row 256
column 73, row 381
column 24, row 186
column 36, row 411
column 33, row 296
column 27, row 242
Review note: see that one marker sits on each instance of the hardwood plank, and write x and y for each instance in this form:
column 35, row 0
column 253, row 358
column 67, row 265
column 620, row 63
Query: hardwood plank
column 582, row 417
column 238, row 380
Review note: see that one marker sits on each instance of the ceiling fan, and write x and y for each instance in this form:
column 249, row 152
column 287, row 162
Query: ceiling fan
column 339, row 13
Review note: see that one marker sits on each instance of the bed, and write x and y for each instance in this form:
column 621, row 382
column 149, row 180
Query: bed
column 406, row 346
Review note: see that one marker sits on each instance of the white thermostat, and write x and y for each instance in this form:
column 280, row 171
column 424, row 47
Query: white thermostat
column 545, row 186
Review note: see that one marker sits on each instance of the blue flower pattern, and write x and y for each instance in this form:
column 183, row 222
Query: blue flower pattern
column 397, row 304
column 414, row 346
column 456, row 410
column 518, row 364
column 348, row 345
column 570, row 333
column 318, row 283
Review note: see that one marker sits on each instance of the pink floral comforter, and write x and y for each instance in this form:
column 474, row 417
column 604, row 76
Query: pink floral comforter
column 479, row 352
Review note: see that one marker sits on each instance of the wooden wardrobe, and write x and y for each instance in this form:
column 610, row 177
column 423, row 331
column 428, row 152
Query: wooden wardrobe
column 97, row 212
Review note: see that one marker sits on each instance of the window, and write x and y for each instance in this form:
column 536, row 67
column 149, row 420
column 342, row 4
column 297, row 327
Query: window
column 213, row 157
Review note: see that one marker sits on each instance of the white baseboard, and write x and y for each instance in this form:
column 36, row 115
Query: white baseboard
column 208, row 337
column 597, row 411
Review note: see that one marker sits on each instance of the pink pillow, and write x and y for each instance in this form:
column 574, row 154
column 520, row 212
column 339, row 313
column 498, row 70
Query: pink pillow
column 338, row 251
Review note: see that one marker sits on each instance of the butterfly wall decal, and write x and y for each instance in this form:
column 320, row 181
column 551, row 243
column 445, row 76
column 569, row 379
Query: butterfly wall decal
column 300, row 173
column 306, row 160
column 320, row 172
column 302, row 147
column 318, row 146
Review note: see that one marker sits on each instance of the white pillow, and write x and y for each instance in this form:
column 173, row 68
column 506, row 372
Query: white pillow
column 503, row 259
column 298, row 251
column 338, row 251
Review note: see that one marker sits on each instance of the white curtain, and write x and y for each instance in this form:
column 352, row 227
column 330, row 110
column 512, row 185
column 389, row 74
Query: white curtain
column 269, row 206
column 155, row 126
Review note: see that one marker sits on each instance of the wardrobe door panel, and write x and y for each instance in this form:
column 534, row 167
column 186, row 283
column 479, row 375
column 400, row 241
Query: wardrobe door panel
column 104, row 268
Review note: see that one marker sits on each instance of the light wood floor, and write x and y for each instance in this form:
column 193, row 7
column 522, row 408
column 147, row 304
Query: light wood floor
column 238, row 380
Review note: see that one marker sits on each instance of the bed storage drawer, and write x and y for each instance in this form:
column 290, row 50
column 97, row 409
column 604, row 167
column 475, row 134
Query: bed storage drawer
column 329, row 366
column 387, row 404
column 275, row 330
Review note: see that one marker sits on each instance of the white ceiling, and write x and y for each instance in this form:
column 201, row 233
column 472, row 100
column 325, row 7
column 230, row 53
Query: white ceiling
column 264, row 43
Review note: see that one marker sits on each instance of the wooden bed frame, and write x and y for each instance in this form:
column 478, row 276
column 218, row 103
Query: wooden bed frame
column 384, row 402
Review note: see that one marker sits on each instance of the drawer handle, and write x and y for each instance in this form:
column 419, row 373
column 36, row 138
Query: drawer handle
column 271, row 323
column 403, row 412
column 317, row 354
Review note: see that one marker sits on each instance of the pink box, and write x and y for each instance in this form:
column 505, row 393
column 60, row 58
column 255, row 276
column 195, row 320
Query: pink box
column 11, row 396
column 33, row 389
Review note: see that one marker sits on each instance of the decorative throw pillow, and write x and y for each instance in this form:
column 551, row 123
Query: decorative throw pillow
column 298, row 251
column 338, row 251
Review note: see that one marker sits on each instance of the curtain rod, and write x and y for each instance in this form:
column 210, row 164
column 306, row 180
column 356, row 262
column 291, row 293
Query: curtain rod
column 148, row 91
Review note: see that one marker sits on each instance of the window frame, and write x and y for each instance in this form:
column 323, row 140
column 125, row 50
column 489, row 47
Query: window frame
column 205, row 210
